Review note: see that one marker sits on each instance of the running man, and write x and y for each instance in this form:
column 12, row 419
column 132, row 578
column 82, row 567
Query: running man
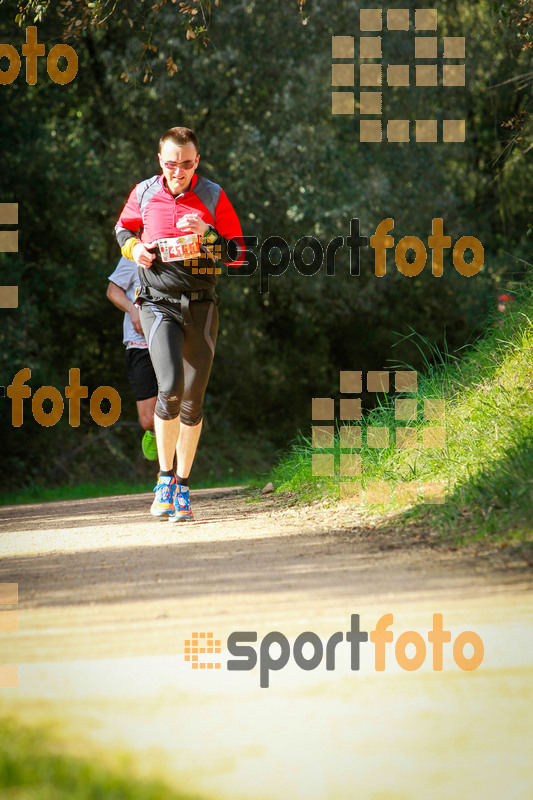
column 178, row 304
column 121, row 291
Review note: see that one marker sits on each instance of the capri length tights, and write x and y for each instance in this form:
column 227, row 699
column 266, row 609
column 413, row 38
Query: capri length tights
column 182, row 356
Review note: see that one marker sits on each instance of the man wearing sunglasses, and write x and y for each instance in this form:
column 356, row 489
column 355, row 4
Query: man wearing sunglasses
column 178, row 304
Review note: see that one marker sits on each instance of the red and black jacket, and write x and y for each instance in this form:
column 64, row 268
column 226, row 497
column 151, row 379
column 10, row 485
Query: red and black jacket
column 152, row 213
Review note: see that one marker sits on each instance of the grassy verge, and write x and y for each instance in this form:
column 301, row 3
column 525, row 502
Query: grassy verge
column 33, row 768
column 486, row 464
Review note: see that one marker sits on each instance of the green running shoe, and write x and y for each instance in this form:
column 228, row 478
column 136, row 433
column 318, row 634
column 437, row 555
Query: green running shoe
column 149, row 446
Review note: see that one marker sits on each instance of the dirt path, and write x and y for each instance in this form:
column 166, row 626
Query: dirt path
column 108, row 595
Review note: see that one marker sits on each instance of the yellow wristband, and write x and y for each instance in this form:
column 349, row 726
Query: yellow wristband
column 127, row 248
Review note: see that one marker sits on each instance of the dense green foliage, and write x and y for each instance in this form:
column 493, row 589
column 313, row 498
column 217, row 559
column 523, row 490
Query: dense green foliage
column 259, row 98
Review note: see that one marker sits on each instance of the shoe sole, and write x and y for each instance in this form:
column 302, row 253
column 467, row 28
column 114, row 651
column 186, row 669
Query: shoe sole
column 181, row 518
column 156, row 512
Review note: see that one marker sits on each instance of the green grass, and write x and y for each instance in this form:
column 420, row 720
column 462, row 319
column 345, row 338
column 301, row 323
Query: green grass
column 487, row 462
column 32, row 767
column 37, row 494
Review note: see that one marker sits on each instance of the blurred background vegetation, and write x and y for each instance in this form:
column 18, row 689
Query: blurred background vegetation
column 254, row 82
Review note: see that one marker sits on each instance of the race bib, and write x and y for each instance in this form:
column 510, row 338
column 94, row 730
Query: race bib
column 179, row 248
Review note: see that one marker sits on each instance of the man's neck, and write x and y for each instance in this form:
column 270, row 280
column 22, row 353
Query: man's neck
column 183, row 191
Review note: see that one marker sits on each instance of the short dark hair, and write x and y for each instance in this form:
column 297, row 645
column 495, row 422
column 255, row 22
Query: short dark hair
column 179, row 136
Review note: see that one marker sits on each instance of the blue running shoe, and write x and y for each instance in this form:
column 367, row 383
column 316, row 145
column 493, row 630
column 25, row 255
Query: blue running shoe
column 164, row 497
column 182, row 506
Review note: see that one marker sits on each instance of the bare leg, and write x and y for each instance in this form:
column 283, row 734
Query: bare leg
column 145, row 410
column 186, row 447
column 166, row 434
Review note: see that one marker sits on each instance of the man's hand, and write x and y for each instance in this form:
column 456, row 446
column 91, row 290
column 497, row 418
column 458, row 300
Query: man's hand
column 136, row 320
column 142, row 256
column 194, row 223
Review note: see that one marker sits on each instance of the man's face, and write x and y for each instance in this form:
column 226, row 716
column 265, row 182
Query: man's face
column 178, row 165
